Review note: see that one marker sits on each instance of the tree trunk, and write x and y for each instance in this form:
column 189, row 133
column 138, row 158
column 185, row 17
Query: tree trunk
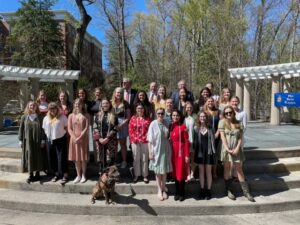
column 85, row 19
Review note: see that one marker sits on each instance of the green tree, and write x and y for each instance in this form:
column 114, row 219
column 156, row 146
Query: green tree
column 36, row 39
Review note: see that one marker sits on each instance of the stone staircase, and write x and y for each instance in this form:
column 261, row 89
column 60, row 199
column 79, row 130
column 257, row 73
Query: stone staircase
column 273, row 176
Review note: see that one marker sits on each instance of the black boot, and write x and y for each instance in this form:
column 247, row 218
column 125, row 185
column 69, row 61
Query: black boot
column 207, row 194
column 177, row 191
column 30, row 178
column 182, row 190
column 37, row 176
column 246, row 192
column 202, row 194
column 228, row 186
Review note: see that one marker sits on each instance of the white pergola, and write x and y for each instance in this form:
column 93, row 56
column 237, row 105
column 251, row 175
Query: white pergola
column 33, row 76
column 274, row 72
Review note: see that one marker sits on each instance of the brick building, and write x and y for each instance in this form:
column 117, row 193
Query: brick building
column 91, row 53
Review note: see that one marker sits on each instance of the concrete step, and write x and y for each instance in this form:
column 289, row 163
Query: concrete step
column 129, row 205
column 261, row 182
column 273, row 153
column 14, row 166
column 250, row 153
column 15, row 153
column 280, row 165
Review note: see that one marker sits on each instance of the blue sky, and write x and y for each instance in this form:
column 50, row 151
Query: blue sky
column 94, row 28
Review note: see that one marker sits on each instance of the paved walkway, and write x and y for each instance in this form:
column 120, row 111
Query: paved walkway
column 257, row 136
column 12, row 217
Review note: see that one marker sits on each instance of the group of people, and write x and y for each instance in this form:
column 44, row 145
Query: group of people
column 170, row 135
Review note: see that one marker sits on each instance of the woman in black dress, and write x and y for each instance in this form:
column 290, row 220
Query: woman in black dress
column 204, row 146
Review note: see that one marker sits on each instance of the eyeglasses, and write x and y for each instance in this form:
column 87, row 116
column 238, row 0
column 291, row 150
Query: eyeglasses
column 160, row 113
column 228, row 113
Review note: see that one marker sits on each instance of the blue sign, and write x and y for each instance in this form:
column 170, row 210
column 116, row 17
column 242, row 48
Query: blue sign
column 287, row 99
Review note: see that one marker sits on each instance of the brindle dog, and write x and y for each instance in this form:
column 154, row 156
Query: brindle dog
column 105, row 186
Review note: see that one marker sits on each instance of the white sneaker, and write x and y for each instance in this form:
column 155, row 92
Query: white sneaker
column 83, row 179
column 76, row 180
column 123, row 165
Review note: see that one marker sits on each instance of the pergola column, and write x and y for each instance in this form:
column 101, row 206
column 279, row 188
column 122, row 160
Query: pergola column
column 239, row 90
column 35, row 86
column 275, row 113
column 70, row 89
column 1, row 104
column 286, row 111
column 247, row 97
column 23, row 94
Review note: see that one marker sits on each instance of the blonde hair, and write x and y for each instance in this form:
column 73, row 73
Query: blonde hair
column 53, row 105
column 111, row 116
column 236, row 124
column 27, row 110
column 222, row 99
column 113, row 99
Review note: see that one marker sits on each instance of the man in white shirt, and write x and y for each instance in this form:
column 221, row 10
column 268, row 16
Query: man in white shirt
column 152, row 93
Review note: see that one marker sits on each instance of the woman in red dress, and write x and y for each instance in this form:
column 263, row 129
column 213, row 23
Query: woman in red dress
column 180, row 153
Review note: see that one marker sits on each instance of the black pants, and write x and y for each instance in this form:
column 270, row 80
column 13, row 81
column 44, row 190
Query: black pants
column 180, row 188
column 58, row 155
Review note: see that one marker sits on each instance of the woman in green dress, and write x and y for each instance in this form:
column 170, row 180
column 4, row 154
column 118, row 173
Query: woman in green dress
column 32, row 139
column 231, row 131
column 160, row 152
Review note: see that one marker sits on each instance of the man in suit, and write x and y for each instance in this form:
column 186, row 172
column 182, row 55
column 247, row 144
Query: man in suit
column 175, row 94
column 152, row 93
column 129, row 93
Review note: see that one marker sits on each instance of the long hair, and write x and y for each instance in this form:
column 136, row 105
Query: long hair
column 137, row 100
column 141, row 105
column 222, row 99
column 113, row 98
column 207, row 110
column 207, row 123
column 41, row 92
column 201, row 100
column 68, row 103
column 234, row 121
column 184, row 109
column 82, row 109
column 181, row 118
column 158, row 96
column 111, row 116
column 27, row 110
column 85, row 93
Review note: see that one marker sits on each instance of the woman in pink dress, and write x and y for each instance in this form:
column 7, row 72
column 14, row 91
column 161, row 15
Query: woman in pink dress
column 78, row 124
column 180, row 153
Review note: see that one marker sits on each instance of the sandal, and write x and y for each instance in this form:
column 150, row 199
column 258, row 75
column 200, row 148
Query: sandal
column 165, row 195
column 160, row 197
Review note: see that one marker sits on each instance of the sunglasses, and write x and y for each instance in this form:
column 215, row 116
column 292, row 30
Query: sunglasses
column 160, row 113
column 228, row 113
